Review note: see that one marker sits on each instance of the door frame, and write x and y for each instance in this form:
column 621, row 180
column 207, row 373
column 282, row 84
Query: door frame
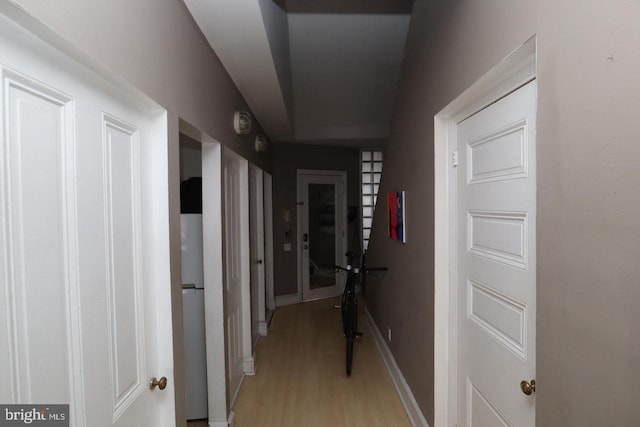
column 213, row 277
column 299, row 174
column 517, row 69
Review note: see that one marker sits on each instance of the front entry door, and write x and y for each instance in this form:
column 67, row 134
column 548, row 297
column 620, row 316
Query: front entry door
column 322, row 202
column 84, row 236
column 496, row 181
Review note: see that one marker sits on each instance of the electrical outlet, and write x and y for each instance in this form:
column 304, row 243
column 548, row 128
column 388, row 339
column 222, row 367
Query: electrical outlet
column 389, row 334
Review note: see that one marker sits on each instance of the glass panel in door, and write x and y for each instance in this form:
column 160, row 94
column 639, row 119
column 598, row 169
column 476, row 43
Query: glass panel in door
column 322, row 235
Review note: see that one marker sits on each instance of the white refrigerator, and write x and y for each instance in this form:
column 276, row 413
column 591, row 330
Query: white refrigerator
column 193, row 316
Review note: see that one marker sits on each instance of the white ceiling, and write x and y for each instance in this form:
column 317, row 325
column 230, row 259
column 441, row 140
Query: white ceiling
column 310, row 77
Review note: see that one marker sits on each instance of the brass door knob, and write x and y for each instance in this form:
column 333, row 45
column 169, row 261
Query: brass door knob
column 527, row 387
column 161, row 383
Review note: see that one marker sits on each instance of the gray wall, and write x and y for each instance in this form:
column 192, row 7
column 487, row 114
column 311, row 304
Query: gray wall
column 588, row 134
column 287, row 159
column 190, row 158
column 156, row 46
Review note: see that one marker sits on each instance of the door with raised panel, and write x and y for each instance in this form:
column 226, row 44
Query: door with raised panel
column 237, row 271
column 496, row 185
column 258, row 262
column 84, row 288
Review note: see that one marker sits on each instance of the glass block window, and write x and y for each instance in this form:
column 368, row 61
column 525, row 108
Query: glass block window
column 370, row 173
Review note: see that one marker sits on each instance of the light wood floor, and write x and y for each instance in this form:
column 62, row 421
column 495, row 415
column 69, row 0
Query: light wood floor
column 301, row 379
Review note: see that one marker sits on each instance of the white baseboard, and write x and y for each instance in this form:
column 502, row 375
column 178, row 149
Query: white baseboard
column 283, row 300
column 263, row 328
column 249, row 365
column 406, row 396
column 228, row 423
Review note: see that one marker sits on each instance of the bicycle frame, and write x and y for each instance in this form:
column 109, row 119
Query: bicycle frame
column 350, row 310
column 350, row 304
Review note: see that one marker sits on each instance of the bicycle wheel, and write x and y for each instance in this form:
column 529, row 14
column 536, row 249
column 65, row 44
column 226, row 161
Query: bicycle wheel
column 350, row 334
column 344, row 312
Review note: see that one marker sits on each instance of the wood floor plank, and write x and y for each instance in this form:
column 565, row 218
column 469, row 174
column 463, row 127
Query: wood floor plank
column 301, row 379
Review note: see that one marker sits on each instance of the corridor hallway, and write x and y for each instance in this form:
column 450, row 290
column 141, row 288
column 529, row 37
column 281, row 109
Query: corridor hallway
column 301, row 379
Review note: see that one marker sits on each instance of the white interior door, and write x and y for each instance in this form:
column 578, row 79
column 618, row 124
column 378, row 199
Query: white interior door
column 322, row 232
column 256, row 215
column 268, row 242
column 496, row 182
column 237, row 271
column 84, row 238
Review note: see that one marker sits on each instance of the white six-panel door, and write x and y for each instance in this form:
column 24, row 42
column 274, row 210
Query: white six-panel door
column 84, row 279
column 237, row 271
column 496, row 182
column 258, row 262
column 268, row 242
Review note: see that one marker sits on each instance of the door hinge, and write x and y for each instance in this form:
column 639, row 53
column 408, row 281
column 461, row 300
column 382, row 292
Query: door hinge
column 454, row 158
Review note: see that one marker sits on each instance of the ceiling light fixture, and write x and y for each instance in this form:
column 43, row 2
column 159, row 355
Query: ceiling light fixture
column 261, row 143
column 242, row 122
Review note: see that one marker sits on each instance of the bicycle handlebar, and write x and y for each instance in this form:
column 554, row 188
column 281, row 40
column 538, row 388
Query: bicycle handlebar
column 360, row 270
column 368, row 269
column 348, row 269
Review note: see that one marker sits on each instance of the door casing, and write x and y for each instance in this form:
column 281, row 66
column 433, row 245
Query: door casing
column 514, row 71
column 213, row 272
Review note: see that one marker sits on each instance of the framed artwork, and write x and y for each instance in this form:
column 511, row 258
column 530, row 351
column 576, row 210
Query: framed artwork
column 396, row 209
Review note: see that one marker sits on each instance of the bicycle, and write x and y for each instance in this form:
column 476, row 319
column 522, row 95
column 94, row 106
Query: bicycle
column 349, row 305
column 349, row 308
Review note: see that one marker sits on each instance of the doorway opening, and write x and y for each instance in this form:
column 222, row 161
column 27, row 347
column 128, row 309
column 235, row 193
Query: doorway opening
column 201, row 170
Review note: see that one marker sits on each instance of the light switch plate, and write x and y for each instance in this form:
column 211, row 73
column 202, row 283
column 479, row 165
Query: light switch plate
column 287, row 247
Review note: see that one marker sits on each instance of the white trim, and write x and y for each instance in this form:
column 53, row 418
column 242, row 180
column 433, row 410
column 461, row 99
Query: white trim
column 514, row 71
column 249, row 366
column 282, row 300
column 404, row 391
column 213, row 279
column 234, row 398
column 263, row 328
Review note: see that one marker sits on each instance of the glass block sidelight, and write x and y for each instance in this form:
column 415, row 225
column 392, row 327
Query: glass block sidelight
column 370, row 173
